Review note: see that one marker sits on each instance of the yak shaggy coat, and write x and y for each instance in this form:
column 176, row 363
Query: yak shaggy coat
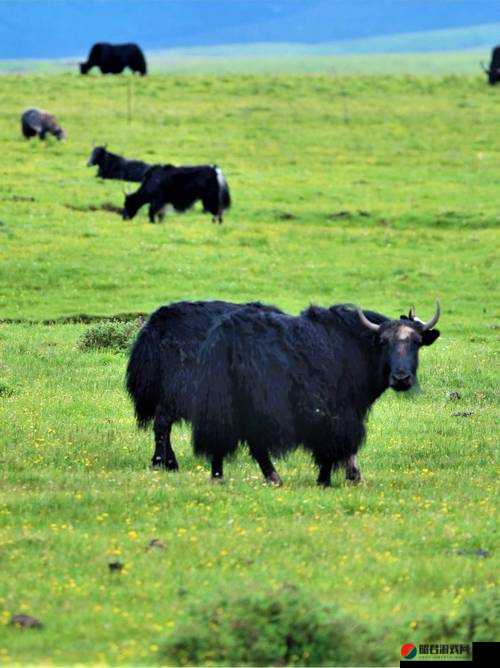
column 163, row 364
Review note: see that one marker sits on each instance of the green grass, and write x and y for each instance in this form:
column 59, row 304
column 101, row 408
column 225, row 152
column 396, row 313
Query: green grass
column 377, row 190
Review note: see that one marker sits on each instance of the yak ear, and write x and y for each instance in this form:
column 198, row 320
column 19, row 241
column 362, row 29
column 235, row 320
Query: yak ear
column 430, row 336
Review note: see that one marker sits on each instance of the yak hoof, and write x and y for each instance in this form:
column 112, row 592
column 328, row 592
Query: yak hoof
column 157, row 463
column 354, row 476
column 218, row 480
column 274, row 479
column 172, row 465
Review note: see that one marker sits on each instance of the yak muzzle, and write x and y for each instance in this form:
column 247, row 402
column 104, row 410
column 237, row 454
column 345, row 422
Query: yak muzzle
column 401, row 382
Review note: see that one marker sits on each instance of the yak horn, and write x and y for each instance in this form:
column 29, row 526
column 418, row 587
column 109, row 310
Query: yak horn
column 430, row 323
column 366, row 322
column 412, row 313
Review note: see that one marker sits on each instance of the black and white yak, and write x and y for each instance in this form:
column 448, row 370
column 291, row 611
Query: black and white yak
column 163, row 364
column 113, row 166
column 275, row 382
column 180, row 188
column 114, row 58
column 36, row 122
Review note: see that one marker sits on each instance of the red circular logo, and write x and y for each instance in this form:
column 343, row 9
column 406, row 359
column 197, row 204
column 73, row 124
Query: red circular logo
column 408, row 651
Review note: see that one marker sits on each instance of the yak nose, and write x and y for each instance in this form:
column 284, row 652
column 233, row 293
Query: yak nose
column 401, row 380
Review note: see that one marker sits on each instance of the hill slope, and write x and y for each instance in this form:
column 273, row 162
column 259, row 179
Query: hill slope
column 46, row 29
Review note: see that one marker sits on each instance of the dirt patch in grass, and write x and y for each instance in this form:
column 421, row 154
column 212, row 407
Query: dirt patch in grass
column 105, row 206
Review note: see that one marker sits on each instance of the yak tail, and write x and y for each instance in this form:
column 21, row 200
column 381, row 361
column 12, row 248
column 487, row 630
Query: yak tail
column 144, row 375
column 214, row 420
column 224, row 196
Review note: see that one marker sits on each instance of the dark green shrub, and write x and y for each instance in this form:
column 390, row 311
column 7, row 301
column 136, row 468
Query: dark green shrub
column 284, row 628
column 5, row 390
column 479, row 621
column 113, row 334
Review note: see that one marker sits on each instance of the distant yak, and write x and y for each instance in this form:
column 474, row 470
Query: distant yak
column 275, row 382
column 36, row 122
column 114, row 58
column 163, row 363
column 494, row 70
column 112, row 166
column 180, row 188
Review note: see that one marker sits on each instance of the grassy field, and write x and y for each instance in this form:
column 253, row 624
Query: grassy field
column 381, row 191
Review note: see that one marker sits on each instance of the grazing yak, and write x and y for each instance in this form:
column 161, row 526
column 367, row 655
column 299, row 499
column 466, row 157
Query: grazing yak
column 114, row 58
column 38, row 122
column 494, row 71
column 112, row 166
column 163, row 363
column 180, row 188
column 275, row 382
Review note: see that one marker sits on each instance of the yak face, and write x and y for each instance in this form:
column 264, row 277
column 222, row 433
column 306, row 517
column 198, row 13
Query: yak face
column 96, row 156
column 131, row 206
column 400, row 341
column 84, row 68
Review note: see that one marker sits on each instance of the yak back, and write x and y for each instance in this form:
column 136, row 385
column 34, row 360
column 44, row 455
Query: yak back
column 113, row 58
column 114, row 166
column 181, row 186
column 179, row 329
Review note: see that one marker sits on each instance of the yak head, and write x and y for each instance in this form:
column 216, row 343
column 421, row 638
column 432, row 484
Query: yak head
column 400, row 341
column 131, row 205
column 97, row 155
column 84, row 68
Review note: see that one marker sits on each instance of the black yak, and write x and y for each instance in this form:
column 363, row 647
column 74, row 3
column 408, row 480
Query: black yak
column 180, row 188
column 163, row 364
column 494, row 70
column 114, row 58
column 275, row 382
column 112, row 166
column 38, row 122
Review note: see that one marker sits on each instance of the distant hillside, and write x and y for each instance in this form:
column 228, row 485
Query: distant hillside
column 53, row 29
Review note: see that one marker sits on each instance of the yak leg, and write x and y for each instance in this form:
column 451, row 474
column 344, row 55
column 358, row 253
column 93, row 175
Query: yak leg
column 352, row 471
column 325, row 464
column 155, row 208
column 217, row 467
column 164, row 456
column 266, row 466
